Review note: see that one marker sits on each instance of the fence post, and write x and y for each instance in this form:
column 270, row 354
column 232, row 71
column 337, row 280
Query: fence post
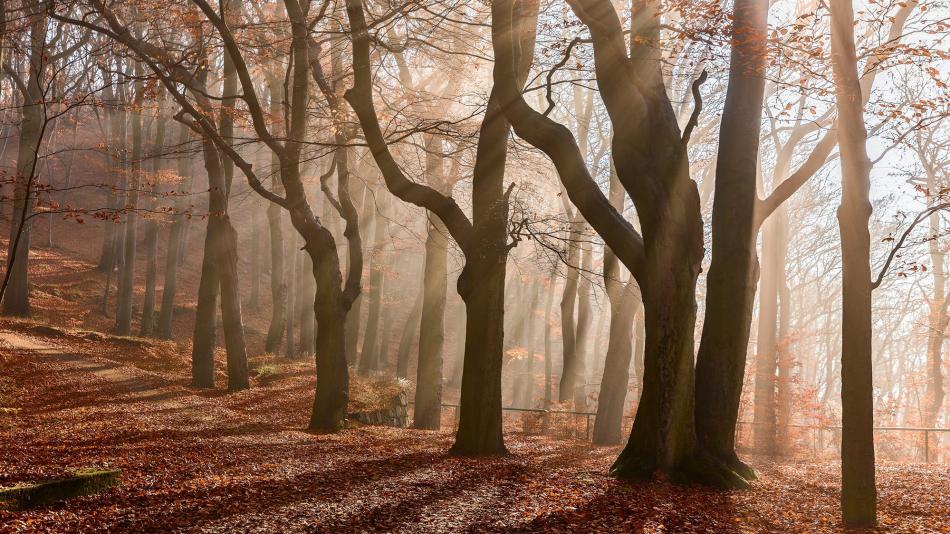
column 456, row 417
column 587, row 432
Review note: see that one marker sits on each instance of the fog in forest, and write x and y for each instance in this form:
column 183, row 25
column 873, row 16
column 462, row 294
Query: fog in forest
column 709, row 235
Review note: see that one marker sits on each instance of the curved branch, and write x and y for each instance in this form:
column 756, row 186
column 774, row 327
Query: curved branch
column 697, row 109
column 819, row 155
column 558, row 143
column 921, row 217
column 360, row 97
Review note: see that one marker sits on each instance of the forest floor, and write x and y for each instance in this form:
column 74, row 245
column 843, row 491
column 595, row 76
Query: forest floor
column 211, row 461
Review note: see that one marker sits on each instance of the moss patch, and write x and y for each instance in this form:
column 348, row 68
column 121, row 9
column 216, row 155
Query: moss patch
column 83, row 482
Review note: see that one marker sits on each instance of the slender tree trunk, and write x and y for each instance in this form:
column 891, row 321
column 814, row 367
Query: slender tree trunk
column 147, row 326
column 278, row 285
column 413, row 326
column 107, row 253
column 307, row 291
column 428, row 401
column 616, row 377
column 568, row 383
column 292, row 276
column 172, row 252
column 584, row 322
column 766, row 362
column 548, row 354
column 354, row 317
column 123, row 316
column 937, row 333
column 858, row 493
column 369, row 355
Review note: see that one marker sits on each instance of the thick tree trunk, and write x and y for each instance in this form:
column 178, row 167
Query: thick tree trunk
column 480, row 415
column 733, row 272
column 330, row 308
column 858, row 493
column 482, row 288
column 218, row 273
column 16, row 297
column 428, row 401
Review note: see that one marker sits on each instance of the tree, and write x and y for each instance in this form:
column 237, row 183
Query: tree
column 734, row 269
column 483, row 240
column 858, row 493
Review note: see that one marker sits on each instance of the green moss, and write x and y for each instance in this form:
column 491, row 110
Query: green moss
column 86, row 481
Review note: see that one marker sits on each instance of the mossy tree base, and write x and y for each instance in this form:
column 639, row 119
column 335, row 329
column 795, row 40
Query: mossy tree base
column 698, row 468
column 732, row 461
column 84, row 482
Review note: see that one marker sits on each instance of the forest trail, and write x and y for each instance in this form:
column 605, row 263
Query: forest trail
column 151, row 393
column 209, row 461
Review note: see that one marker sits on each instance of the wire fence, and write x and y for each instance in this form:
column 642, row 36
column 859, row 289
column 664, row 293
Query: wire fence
column 914, row 444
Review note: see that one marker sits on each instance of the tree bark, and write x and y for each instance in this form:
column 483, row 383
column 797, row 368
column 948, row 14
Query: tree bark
column 413, row 326
column 369, row 355
column 568, row 383
column 733, row 272
column 858, row 493
column 147, row 325
column 428, row 399
column 126, row 285
column 172, row 252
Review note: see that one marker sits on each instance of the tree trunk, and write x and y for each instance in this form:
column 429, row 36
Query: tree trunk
column 107, row 253
column 147, row 326
column 764, row 430
column 616, row 377
column 858, row 493
column 548, row 355
column 278, row 287
column 173, row 251
column 734, row 269
column 413, row 326
column 354, row 316
column 428, row 400
column 584, row 323
column 330, row 309
column 292, row 276
column 307, row 291
column 369, row 356
column 123, row 316
column 568, row 384
column 16, row 296
column 482, row 287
